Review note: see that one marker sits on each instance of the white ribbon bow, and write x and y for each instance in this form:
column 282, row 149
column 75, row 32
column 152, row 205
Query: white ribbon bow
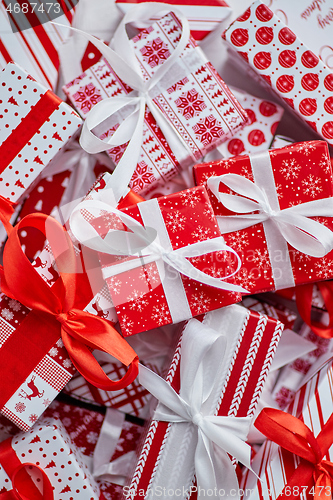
column 124, row 62
column 217, row 436
column 293, row 223
column 141, row 242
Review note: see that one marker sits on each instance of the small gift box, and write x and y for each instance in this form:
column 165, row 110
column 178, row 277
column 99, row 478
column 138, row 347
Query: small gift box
column 282, row 216
column 264, row 118
column 203, row 16
column 296, row 458
column 218, row 371
column 184, row 108
column 45, row 453
column 35, row 125
column 285, row 62
column 180, row 259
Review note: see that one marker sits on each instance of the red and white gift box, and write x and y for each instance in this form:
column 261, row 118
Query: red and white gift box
column 285, row 62
column 294, row 175
column 196, row 103
column 167, row 456
column 275, row 465
column 35, row 124
column 203, row 16
column 150, row 294
column 48, row 446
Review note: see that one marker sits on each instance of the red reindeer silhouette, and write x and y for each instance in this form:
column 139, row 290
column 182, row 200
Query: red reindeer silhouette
column 35, row 391
column 55, row 275
column 98, row 309
column 39, row 263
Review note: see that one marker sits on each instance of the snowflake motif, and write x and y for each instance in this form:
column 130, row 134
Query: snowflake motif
column 46, row 402
column 312, row 186
column 245, row 278
column 126, row 324
column 178, row 85
column 150, row 273
column 307, row 148
column 14, row 305
column 154, row 52
column 7, row 314
column 325, row 165
column 261, row 259
column 209, row 212
column 238, row 240
column 200, row 303
column 175, row 221
column 279, row 191
column 190, row 104
column 111, row 221
column 201, row 233
column 190, row 198
column 207, row 130
column 53, row 351
column 67, row 363
column 117, row 152
column 137, row 301
column 120, row 444
column 114, row 285
column 143, row 176
column 20, row 407
column 161, row 315
column 290, row 169
column 59, row 343
column 324, row 268
column 297, row 256
column 86, row 97
column 33, row 418
column 284, row 397
column 92, row 437
column 143, row 34
column 301, row 365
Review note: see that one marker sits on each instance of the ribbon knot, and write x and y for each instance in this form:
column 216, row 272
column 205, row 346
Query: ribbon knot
column 62, row 317
column 197, row 419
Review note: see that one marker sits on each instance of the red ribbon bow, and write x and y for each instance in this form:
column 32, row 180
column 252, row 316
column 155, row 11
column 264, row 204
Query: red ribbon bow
column 53, row 313
column 304, row 305
column 293, row 435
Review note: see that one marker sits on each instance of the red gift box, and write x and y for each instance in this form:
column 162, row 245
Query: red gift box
column 285, row 62
column 286, row 177
column 234, row 390
column 150, row 294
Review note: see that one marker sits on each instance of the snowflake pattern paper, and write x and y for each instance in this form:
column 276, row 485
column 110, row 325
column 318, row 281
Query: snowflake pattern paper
column 302, row 173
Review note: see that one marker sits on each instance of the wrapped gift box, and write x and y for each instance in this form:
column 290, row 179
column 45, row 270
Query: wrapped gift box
column 168, row 451
column 295, row 174
column 199, row 106
column 35, row 126
column 275, row 465
column 203, row 17
column 153, row 295
column 48, row 446
column 277, row 311
column 258, row 135
column 285, row 62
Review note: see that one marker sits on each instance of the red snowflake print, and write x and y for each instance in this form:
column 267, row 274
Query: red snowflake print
column 208, row 129
column 178, row 85
column 284, row 397
column 86, row 97
column 20, row 407
column 143, row 34
column 190, row 104
column 155, row 52
column 33, row 418
column 142, row 176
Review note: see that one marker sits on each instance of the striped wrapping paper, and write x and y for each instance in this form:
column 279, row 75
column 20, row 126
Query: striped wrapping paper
column 313, row 404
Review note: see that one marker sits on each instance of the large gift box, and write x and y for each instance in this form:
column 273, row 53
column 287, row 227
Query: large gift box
column 291, row 188
column 191, row 97
column 183, row 271
column 285, row 62
column 281, row 471
column 43, row 463
column 219, row 369
column 35, row 125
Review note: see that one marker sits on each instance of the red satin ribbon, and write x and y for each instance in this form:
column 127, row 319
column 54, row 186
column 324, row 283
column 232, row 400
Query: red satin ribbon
column 131, row 198
column 53, row 314
column 6, row 212
column 293, row 435
column 304, row 305
column 23, row 488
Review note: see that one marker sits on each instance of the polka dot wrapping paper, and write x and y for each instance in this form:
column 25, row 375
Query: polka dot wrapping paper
column 48, row 446
column 34, row 125
column 299, row 173
column 284, row 61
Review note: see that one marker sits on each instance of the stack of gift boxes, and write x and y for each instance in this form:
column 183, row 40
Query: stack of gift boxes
column 166, row 307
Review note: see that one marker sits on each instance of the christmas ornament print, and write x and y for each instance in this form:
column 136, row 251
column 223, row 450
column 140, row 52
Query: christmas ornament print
column 297, row 74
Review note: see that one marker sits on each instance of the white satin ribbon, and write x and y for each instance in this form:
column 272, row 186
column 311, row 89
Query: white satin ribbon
column 202, row 352
column 124, row 62
column 293, row 223
column 142, row 243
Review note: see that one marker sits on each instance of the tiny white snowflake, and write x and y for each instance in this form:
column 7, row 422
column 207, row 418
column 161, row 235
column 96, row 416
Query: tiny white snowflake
column 325, row 164
column 200, row 302
column 46, row 402
column 150, row 274
column 245, row 279
column 160, row 314
column 7, row 314
column 120, row 444
column 190, row 197
column 175, row 221
column 307, row 148
column 111, row 221
column 13, row 304
column 59, row 343
column 261, row 258
column 238, row 240
column 324, row 268
column 137, row 301
column 290, row 169
column 53, row 351
column 279, row 191
column 126, row 324
column 67, row 363
column 201, row 233
column 114, row 284
column 92, row 437
column 312, row 185
column 208, row 212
